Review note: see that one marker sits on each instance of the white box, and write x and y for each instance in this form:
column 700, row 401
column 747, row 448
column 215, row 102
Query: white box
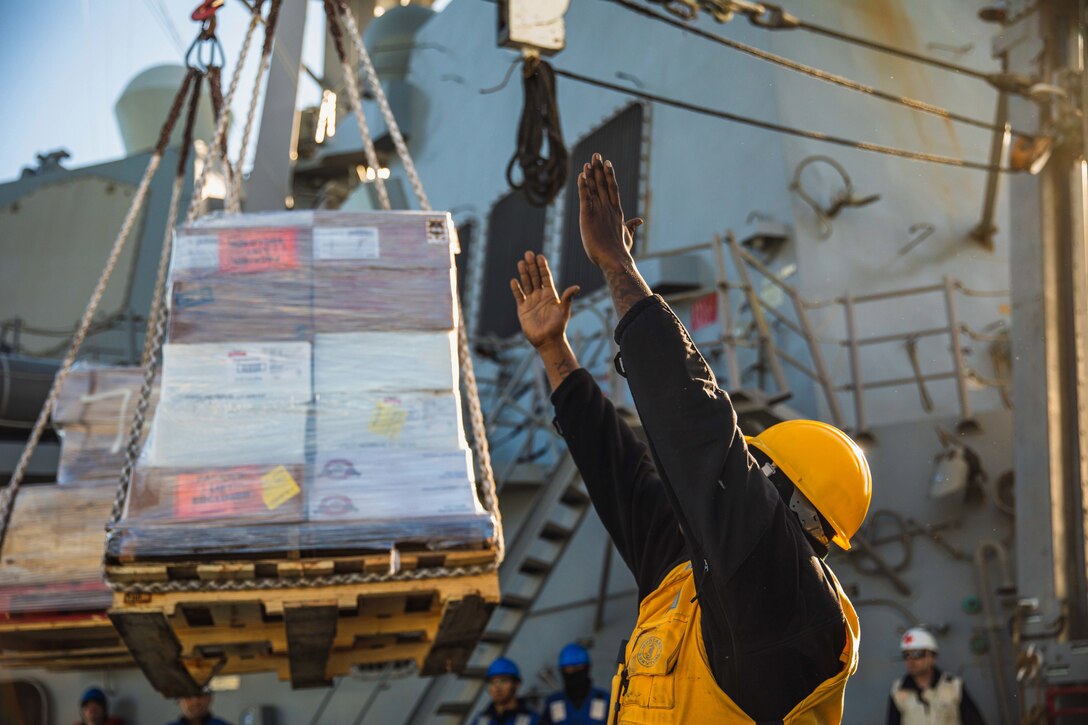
column 385, row 484
column 237, row 372
column 389, row 420
column 352, row 362
column 198, row 434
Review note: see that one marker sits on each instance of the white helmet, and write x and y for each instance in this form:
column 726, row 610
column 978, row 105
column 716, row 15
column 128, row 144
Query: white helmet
column 918, row 638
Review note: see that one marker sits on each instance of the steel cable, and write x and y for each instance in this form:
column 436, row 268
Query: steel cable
column 817, row 73
column 789, row 130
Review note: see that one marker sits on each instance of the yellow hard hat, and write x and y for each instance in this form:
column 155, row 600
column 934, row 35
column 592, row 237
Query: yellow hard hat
column 827, row 466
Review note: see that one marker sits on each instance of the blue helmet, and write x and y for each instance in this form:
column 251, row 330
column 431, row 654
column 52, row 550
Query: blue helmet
column 573, row 655
column 503, row 667
column 93, row 694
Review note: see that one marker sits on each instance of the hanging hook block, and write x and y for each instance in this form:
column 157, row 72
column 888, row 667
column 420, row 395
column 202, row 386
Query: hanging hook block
column 533, row 25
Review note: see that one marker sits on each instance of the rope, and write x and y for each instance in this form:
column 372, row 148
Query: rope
column 215, row 87
column 132, row 450
column 542, row 178
column 383, row 104
column 172, row 214
column 352, row 83
column 788, row 130
column 235, row 585
column 8, row 501
column 482, row 454
column 234, row 204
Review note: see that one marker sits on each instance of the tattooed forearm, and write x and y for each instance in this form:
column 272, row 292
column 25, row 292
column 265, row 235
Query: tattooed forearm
column 627, row 287
column 559, row 361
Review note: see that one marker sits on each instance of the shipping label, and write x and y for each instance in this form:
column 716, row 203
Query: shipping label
column 346, row 243
column 195, row 251
column 206, row 494
column 269, row 364
column 244, row 251
column 278, row 487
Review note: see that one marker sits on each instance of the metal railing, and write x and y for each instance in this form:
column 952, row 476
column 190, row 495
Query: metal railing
column 518, row 398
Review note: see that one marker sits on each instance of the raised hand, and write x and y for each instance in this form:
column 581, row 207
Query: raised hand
column 606, row 237
column 543, row 314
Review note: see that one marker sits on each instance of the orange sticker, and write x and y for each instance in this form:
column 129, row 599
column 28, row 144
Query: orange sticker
column 226, row 492
column 242, row 251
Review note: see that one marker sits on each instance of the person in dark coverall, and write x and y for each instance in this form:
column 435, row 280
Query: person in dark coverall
column 197, row 710
column 579, row 702
column 506, row 708
column 740, row 620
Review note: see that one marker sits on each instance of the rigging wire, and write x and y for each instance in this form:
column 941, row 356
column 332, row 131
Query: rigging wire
column 774, row 17
column 788, row 130
column 813, row 72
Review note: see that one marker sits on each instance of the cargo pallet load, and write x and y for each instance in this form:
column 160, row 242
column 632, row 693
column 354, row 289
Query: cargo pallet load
column 53, row 600
column 306, row 497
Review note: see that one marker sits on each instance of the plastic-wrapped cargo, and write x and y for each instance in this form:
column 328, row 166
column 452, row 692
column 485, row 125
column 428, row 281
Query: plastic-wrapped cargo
column 52, row 553
column 310, row 393
column 93, row 415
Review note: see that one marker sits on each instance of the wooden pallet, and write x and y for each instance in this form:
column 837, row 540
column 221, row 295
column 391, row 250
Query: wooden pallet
column 62, row 642
column 306, row 634
column 296, row 568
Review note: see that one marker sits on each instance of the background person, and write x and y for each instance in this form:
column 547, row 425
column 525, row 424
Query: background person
column 196, row 710
column 94, row 709
column 506, row 708
column 579, row 703
column 926, row 695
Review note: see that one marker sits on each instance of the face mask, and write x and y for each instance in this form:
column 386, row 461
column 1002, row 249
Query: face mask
column 576, row 685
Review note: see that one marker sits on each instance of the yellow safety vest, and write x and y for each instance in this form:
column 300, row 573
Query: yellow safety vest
column 669, row 680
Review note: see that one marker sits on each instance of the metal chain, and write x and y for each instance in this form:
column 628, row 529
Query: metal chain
column 234, row 204
column 228, row 585
column 351, row 81
column 383, row 103
column 160, row 310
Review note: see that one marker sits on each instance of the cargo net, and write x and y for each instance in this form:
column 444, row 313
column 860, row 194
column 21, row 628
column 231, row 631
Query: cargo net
column 309, row 399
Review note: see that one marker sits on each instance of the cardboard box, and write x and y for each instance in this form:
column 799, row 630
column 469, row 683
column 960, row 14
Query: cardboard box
column 384, row 484
column 193, row 434
column 253, row 493
column 221, row 309
column 363, row 362
column 383, row 239
column 237, row 372
column 355, row 299
column 413, row 420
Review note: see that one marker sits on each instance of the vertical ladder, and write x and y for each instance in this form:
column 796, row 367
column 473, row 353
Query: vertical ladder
column 541, row 540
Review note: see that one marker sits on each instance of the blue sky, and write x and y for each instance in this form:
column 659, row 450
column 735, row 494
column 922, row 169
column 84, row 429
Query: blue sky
column 66, row 62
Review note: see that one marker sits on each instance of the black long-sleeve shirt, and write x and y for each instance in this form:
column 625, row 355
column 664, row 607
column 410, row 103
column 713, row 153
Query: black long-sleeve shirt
column 772, row 623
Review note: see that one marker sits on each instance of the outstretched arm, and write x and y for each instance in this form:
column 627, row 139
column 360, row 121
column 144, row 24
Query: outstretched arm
column 606, row 237
column 615, row 466
column 544, row 315
column 723, row 501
